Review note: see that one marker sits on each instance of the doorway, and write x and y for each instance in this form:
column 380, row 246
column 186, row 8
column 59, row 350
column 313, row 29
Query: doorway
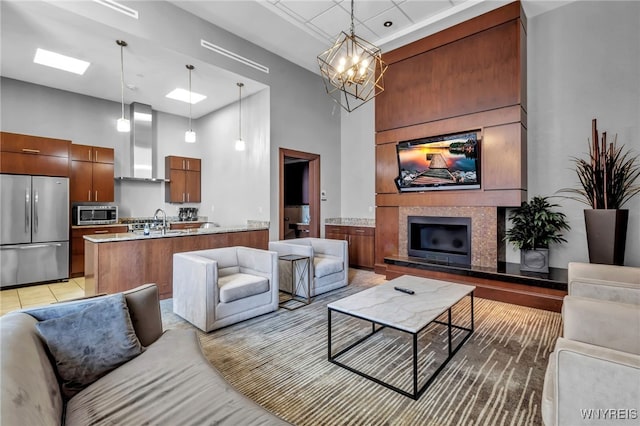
column 299, row 189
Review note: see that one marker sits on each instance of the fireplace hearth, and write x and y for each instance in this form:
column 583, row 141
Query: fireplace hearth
column 440, row 239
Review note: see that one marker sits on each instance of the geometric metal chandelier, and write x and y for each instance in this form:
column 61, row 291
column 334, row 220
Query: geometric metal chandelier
column 352, row 70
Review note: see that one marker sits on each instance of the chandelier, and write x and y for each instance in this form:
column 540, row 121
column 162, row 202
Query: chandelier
column 352, row 70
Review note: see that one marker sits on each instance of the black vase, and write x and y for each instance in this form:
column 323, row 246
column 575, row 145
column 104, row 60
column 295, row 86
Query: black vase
column 606, row 235
column 536, row 260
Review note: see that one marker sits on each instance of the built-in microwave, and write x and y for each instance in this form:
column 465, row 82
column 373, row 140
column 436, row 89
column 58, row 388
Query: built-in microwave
column 95, row 215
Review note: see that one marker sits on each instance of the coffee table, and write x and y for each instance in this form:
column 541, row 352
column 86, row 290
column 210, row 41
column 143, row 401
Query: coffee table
column 409, row 313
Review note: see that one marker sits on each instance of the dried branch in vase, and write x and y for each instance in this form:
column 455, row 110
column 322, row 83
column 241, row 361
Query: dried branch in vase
column 608, row 178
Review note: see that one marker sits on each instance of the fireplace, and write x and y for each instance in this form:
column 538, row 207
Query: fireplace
column 440, row 239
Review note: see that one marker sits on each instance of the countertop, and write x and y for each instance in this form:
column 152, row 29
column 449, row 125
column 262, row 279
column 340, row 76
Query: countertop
column 351, row 221
column 130, row 236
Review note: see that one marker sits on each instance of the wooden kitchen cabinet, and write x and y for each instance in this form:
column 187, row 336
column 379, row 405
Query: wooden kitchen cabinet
column 92, row 173
column 184, row 179
column 77, row 244
column 361, row 241
column 33, row 155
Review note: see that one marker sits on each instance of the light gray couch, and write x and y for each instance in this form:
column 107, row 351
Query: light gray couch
column 170, row 383
column 218, row 287
column 329, row 263
column 593, row 374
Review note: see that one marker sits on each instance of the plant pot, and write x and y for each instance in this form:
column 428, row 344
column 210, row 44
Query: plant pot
column 606, row 235
column 536, row 260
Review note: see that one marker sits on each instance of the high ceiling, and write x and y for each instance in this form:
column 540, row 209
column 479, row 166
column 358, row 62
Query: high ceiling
column 296, row 30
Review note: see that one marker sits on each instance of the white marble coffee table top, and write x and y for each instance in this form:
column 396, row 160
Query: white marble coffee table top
column 408, row 312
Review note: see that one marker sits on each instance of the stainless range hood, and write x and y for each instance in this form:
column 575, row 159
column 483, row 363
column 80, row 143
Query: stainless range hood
column 141, row 147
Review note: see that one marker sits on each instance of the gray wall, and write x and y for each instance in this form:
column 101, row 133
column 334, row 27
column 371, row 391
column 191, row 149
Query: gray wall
column 357, row 167
column 583, row 63
column 235, row 185
column 302, row 116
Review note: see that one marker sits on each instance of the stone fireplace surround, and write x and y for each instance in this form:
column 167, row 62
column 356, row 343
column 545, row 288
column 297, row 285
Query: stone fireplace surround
column 484, row 230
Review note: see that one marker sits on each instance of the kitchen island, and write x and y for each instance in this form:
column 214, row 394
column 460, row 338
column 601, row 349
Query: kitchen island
column 122, row 261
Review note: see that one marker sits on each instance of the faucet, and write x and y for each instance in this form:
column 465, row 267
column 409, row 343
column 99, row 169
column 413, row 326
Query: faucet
column 164, row 220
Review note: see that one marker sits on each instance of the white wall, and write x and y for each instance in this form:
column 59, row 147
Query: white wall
column 583, row 63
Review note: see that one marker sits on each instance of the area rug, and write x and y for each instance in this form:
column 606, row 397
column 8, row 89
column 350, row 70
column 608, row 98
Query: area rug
column 280, row 361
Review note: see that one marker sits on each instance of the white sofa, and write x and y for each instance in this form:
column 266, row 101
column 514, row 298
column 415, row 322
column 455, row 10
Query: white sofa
column 593, row 375
column 329, row 263
column 169, row 383
column 219, row 287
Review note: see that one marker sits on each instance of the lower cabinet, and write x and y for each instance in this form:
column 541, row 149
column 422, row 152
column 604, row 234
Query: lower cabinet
column 77, row 244
column 361, row 241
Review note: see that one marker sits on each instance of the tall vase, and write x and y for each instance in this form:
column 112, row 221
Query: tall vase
column 606, row 235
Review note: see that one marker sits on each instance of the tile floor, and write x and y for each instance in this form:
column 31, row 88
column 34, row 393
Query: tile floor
column 28, row 297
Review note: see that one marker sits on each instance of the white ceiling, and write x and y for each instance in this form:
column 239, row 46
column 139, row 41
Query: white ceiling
column 297, row 30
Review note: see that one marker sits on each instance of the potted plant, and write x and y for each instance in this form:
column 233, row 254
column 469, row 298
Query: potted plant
column 535, row 226
column 607, row 181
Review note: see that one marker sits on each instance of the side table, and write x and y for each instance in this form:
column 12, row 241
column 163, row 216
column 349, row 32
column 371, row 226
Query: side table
column 299, row 266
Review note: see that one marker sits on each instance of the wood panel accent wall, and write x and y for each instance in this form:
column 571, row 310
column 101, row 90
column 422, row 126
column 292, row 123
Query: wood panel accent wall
column 470, row 77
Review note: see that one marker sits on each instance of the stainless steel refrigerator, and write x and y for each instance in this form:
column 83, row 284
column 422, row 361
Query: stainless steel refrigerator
column 34, row 229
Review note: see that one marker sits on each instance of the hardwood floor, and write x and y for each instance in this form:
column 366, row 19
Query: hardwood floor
column 29, row 297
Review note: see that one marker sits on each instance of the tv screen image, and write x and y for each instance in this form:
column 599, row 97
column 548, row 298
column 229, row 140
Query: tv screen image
column 437, row 163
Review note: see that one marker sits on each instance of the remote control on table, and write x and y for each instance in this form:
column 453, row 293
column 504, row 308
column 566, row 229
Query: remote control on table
column 404, row 290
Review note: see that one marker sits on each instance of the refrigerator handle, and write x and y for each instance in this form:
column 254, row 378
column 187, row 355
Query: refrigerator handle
column 35, row 212
column 26, row 210
column 36, row 246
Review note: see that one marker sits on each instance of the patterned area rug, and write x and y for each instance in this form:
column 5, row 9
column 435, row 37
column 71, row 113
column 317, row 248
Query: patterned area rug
column 280, row 361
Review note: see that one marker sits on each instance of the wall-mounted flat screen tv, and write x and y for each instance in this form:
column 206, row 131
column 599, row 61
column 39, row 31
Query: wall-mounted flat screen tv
column 439, row 163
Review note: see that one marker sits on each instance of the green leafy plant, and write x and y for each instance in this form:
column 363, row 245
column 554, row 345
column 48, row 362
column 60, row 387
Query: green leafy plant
column 536, row 225
column 608, row 176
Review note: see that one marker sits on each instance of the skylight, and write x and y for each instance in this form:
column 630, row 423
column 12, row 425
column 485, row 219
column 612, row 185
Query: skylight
column 61, row 62
column 183, row 95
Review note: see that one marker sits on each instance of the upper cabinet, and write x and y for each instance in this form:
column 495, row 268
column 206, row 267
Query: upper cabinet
column 33, row 155
column 183, row 174
column 92, row 172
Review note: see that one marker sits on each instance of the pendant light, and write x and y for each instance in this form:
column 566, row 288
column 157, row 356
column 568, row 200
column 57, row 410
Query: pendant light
column 123, row 124
column 190, row 135
column 240, row 145
column 352, row 70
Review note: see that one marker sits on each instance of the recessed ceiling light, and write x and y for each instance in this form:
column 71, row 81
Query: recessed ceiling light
column 183, row 95
column 61, row 62
column 119, row 7
column 388, row 23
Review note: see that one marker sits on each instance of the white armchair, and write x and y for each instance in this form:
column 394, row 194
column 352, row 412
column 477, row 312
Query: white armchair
column 219, row 287
column 329, row 263
column 596, row 364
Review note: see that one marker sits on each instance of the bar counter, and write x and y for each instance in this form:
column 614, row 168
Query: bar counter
column 119, row 262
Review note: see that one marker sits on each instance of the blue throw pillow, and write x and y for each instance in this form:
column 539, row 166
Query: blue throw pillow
column 88, row 344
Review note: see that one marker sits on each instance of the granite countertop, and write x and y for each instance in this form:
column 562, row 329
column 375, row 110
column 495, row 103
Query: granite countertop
column 351, row 221
column 130, row 236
